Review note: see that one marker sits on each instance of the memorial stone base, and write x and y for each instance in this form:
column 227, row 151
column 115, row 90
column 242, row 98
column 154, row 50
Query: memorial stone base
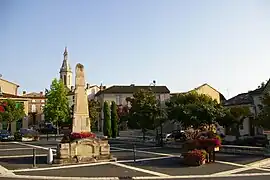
column 83, row 151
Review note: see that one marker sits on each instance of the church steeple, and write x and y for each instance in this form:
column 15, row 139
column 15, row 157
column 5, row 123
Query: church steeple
column 66, row 71
column 65, row 54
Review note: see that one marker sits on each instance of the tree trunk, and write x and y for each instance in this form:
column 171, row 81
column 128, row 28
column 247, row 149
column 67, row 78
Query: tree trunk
column 57, row 128
column 161, row 132
column 143, row 131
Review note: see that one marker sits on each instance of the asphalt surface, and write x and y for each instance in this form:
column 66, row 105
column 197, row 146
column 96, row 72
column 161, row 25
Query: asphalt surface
column 20, row 156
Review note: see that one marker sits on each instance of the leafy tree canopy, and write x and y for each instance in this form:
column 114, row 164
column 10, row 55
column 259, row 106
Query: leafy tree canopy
column 57, row 109
column 263, row 118
column 143, row 109
column 11, row 110
column 114, row 120
column 232, row 117
column 193, row 109
column 94, row 111
column 107, row 130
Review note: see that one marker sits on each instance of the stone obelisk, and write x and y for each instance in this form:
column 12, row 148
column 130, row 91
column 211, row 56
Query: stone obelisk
column 81, row 120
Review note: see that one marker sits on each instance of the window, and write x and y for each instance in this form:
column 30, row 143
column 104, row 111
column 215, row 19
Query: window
column 69, row 83
column 118, row 98
column 34, row 108
column 42, row 107
column 33, row 101
column 43, row 101
column 65, row 80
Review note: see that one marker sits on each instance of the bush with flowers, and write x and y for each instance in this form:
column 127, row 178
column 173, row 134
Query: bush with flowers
column 195, row 157
column 76, row 136
column 3, row 106
column 205, row 141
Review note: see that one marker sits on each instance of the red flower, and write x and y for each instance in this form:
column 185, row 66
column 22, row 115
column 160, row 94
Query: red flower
column 82, row 135
column 2, row 109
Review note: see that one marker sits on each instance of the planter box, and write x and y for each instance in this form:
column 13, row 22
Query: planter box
column 25, row 139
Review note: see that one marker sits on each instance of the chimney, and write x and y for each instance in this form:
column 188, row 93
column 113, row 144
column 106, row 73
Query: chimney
column 24, row 92
column 87, row 86
column 41, row 93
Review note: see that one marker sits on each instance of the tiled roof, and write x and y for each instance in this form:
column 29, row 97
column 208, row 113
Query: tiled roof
column 240, row 99
column 6, row 95
column 34, row 95
column 132, row 89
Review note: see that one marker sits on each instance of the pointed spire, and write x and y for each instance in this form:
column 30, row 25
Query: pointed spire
column 65, row 54
column 65, row 65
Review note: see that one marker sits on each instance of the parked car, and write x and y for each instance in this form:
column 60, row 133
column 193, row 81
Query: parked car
column 175, row 135
column 5, row 135
column 48, row 128
column 26, row 135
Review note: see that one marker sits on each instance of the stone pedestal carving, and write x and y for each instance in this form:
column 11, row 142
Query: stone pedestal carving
column 87, row 149
column 83, row 150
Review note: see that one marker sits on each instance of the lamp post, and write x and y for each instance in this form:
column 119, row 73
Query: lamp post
column 153, row 90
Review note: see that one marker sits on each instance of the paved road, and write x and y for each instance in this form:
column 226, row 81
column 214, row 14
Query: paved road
column 215, row 178
column 125, row 167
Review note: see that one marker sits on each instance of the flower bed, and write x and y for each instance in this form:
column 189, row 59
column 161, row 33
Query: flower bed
column 195, row 157
column 209, row 143
column 76, row 136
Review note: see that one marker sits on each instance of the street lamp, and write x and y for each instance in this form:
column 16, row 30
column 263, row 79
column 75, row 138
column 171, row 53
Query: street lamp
column 154, row 91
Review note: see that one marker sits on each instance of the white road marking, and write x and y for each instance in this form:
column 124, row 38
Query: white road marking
column 146, row 152
column 144, row 159
column 243, row 168
column 60, row 178
column 4, row 171
column 233, row 171
column 260, row 162
column 33, row 146
column 202, row 176
column 15, row 149
column 22, row 156
column 113, row 149
column 61, row 167
column 230, row 163
column 140, row 170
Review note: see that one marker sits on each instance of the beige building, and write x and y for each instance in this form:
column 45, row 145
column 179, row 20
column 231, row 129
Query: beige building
column 36, row 103
column 203, row 89
column 208, row 90
column 118, row 94
column 9, row 90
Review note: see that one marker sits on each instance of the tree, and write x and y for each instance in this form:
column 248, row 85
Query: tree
column 123, row 116
column 57, row 109
column 143, row 109
column 263, row 118
column 107, row 131
column 114, row 120
column 193, row 109
column 94, row 110
column 11, row 111
column 232, row 118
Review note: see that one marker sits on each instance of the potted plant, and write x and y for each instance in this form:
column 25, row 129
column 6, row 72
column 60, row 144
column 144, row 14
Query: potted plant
column 195, row 157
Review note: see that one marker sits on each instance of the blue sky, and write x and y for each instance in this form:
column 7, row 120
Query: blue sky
column 181, row 44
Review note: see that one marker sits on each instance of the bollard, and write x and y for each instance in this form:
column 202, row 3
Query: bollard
column 134, row 152
column 34, row 157
column 50, row 156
